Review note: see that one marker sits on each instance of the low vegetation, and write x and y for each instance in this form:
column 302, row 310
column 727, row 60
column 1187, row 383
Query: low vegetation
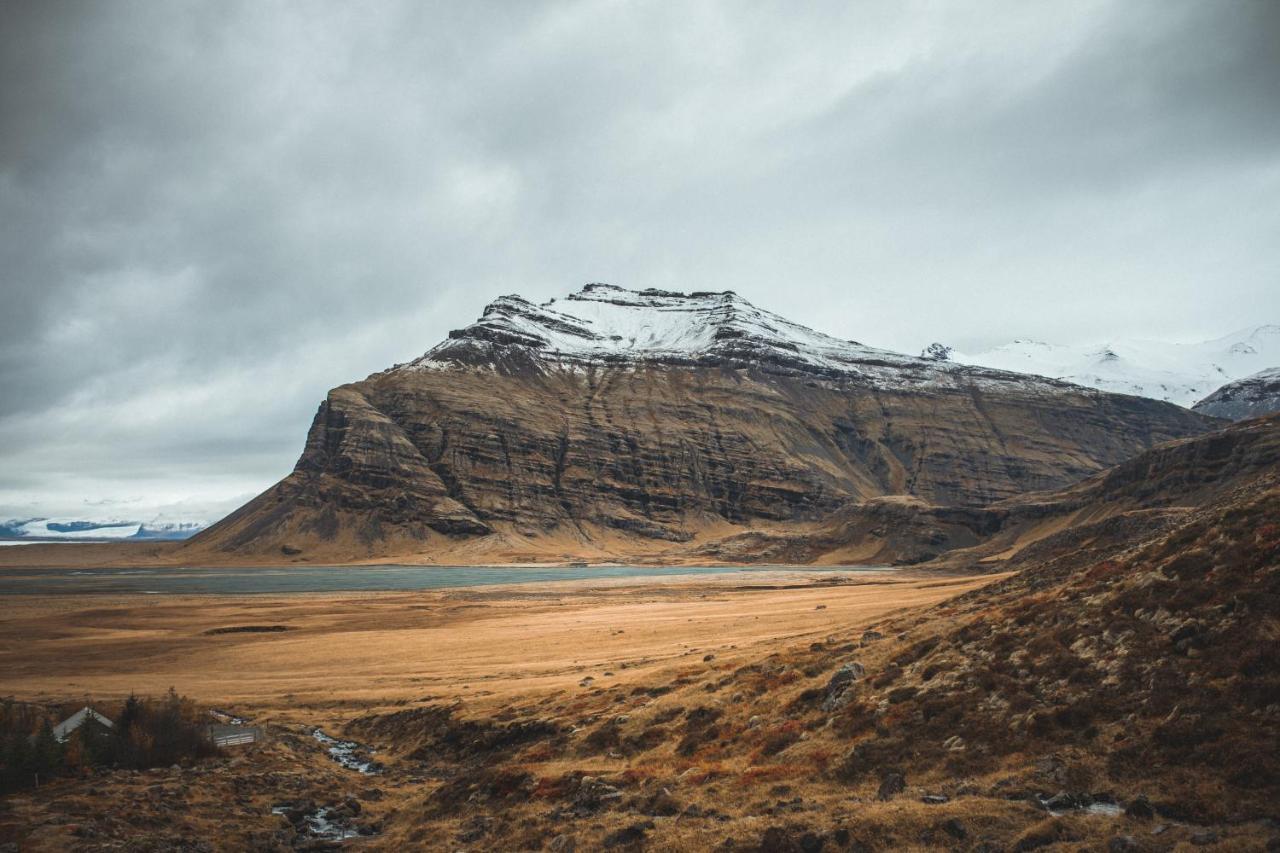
column 146, row 733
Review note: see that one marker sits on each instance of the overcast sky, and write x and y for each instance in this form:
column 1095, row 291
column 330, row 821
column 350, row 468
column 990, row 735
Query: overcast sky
column 211, row 213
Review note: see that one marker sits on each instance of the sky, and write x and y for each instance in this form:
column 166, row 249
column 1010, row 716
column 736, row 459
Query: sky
column 213, row 212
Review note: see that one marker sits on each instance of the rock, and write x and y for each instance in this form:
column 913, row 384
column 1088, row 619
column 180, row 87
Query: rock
column 935, row 799
column 811, row 842
column 955, row 743
column 661, row 804
column 592, row 794
column 955, row 829
column 869, row 637
column 1123, row 844
column 1140, row 809
column 838, row 688
column 628, row 834
column 1064, row 802
column 708, row 658
column 892, row 783
column 754, row 721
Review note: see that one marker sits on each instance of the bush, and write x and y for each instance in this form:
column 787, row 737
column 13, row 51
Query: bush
column 147, row 733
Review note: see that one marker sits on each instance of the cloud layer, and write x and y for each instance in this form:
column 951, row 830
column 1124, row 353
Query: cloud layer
column 215, row 212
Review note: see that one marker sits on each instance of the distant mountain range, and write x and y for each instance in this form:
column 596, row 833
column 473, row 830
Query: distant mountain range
column 81, row 530
column 1174, row 372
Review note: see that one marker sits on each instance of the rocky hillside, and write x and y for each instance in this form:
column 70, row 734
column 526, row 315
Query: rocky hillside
column 1250, row 397
column 612, row 418
column 1123, row 697
column 1149, row 492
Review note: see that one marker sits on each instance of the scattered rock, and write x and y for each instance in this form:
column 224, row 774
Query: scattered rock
column 628, row 834
column 839, row 690
column 891, row 784
column 1140, row 809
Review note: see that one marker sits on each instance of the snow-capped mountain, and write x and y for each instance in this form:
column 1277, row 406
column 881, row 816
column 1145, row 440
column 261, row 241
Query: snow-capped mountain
column 1174, row 372
column 603, row 324
column 1250, row 397
column 75, row 529
column 652, row 416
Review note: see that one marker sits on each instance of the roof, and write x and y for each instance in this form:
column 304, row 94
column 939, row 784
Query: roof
column 64, row 729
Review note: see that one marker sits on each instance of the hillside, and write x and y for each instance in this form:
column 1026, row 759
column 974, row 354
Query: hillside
column 1119, row 697
column 616, row 422
column 1148, row 492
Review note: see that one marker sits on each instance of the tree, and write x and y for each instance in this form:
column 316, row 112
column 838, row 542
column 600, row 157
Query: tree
column 47, row 753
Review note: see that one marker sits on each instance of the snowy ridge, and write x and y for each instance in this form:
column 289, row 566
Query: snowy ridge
column 1174, row 372
column 75, row 529
column 1250, row 397
column 604, row 323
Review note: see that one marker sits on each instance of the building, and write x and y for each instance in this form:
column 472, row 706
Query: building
column 63, row 730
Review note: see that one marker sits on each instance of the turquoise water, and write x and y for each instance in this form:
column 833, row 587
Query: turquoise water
column 297, row 579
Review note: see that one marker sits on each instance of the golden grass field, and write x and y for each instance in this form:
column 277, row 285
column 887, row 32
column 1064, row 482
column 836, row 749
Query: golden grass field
column 367, row 649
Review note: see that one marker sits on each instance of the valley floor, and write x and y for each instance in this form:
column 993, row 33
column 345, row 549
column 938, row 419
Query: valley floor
column 684, row 715
column 356, row 651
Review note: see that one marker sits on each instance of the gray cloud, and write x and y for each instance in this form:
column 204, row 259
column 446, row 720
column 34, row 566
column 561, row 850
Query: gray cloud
column 215, row 212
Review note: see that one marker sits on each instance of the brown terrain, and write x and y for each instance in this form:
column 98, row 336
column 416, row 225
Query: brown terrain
column 1113, row 684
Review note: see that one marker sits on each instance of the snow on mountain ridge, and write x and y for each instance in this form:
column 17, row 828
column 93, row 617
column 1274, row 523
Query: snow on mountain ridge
column 1249, row 397
column 1180, row 373
column 113, row 529
column 604, row 323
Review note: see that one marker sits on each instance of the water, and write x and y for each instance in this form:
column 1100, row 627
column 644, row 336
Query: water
column 348, row 753
column 297, row 579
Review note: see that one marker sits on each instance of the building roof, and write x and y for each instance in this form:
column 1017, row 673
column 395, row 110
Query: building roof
column 64, row 729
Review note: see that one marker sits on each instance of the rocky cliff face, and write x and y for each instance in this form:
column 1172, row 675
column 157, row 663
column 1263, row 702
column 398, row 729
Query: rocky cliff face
column 615, row 416
column 1250, row 397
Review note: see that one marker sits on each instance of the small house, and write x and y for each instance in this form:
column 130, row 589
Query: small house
column 63, row 730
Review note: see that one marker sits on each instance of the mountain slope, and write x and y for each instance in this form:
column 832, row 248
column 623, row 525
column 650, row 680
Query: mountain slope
column 616, row 421
column 1177, row 373
column 1150, row 491
column 1250, row 397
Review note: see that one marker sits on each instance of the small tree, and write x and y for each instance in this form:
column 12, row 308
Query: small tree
column 47, row 753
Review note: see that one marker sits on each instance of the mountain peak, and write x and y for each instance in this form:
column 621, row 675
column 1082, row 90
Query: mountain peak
column 604, row 324
column 607, row 323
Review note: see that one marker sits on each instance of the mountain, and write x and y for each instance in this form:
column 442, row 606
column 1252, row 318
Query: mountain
column 1176, row 373
column 617, row 422
column 1250, row 397
column 76, row 529
column 1147, row 492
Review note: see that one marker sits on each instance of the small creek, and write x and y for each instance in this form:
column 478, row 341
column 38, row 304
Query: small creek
column 349, row 754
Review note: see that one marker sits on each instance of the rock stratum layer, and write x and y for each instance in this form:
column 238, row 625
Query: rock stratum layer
column 617, row 421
